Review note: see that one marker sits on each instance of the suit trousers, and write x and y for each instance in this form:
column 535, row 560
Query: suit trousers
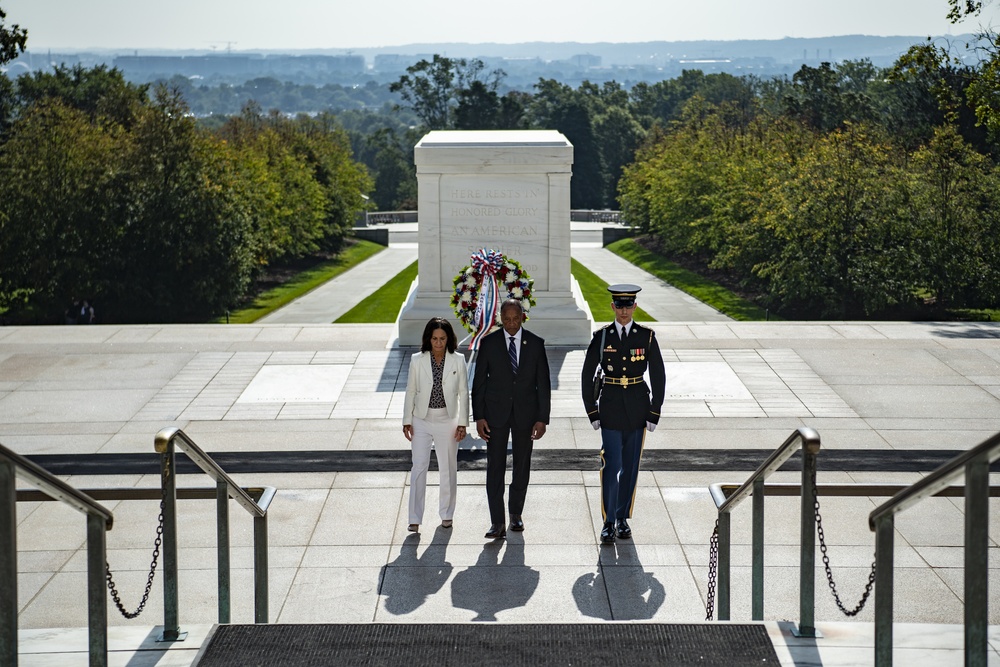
column 620, row 457
column 437, row 428
column 496, row 469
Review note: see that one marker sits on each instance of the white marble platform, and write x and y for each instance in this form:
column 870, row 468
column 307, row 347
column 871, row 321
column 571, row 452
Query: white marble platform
column 339, row 549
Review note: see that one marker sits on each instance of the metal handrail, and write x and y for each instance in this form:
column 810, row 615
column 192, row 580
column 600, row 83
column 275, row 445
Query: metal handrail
column 848, row 490
column 165, row 438
column 808, row 441
column 99, row 521
column 975, row 465
column 164, row 443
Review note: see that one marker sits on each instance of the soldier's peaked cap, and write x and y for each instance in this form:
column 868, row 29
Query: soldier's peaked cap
column 623, row 294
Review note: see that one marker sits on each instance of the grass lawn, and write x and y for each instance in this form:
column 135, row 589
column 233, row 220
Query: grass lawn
column 384, row 304
column 595, row 293
column 976, row 314
column 700, row 288
column 303, row 282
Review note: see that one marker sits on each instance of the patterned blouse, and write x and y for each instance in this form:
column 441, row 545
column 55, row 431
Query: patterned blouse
column 437, row 390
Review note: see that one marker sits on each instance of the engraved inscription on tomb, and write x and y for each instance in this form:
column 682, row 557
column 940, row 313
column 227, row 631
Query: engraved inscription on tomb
column 505, row 213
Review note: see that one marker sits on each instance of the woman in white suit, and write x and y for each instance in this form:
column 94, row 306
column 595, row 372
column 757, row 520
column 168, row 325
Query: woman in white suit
column 435, row 411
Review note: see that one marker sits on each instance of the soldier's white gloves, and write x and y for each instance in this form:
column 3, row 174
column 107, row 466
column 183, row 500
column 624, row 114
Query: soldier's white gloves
column 596, row 424
column 650, row 426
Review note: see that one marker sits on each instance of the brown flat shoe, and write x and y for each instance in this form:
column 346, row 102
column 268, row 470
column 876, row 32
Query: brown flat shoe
column 446, row 523
column 413, row 527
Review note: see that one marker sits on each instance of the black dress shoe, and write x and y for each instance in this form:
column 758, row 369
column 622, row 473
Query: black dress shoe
column 515, row 523
column 608, row 533
column 624, row 532
column 496, row 532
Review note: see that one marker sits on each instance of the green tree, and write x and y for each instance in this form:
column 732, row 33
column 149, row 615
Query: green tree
column 395, row 174
column 327, row 149
column 513, row 110
column 842, row 252
column 98, row 91
column 825, row 97
column 960, row 10
column 675, row 181
column 7, row 105
column 983, row 90
column 432, row 89
column 661, row 102
column 619, row 135
column 60, row 210
column 949, row 82
column 478, row 108
column 13, row 39
column 190, row 246
column 556, row 106
column 953, row 207
column 293, row 218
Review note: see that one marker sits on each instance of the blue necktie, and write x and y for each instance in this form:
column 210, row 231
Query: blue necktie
column 512, row 352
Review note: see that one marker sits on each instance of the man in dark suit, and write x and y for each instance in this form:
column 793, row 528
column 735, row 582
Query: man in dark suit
column 511, row 396
column 627, row 408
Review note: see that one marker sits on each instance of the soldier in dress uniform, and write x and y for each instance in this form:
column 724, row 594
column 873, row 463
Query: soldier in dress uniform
column 628, row 407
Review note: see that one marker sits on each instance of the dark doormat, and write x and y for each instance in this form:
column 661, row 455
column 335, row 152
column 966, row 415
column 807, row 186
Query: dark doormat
column 482, row 645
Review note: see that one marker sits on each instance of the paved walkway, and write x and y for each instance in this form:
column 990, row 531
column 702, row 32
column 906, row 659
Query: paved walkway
column 662, row 301
column 339, row 550
column 332, row 299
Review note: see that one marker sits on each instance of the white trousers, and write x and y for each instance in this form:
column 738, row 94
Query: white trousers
column 437, row 429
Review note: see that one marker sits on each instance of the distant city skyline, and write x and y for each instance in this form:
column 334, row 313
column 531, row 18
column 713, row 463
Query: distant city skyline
column 242, row 25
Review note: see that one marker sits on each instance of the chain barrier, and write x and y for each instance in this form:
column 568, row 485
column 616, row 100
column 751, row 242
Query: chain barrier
column 149, row 580
column 713, row 565
column 826, row 560
column 713, row 569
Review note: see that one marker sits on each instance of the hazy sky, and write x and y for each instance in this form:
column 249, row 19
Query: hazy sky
column 289, row 24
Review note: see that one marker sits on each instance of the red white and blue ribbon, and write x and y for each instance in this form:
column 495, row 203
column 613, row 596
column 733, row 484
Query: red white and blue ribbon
column 488, row 263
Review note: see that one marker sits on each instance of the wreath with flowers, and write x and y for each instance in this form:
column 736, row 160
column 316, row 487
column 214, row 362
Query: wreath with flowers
column 483, row 285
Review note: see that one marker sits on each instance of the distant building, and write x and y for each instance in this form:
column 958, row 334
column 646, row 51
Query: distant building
column 249, row 65
column 585, row 61
column 394, row 63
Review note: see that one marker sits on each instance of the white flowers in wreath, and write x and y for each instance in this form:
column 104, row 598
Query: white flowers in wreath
column 512, row 282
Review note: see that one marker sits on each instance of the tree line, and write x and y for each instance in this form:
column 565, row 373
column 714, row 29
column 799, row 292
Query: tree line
column 112, row 192
column 847, row 192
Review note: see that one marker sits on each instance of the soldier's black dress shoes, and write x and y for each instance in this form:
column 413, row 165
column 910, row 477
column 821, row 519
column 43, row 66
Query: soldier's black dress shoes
column 608, row 533
column 515, row 523
column 624, row 532
column 496, row 532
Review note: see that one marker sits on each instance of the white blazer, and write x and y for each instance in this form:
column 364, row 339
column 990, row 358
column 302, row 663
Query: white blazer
column 454, row 383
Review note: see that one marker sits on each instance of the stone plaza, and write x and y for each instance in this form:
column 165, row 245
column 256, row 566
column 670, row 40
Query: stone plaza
column 339, row 549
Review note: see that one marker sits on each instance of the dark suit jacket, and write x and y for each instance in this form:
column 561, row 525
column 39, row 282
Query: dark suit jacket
column 501, row 397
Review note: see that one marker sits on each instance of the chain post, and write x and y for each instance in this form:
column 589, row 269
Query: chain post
column 149, row 580
column 713, row 565
column 826, row 561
